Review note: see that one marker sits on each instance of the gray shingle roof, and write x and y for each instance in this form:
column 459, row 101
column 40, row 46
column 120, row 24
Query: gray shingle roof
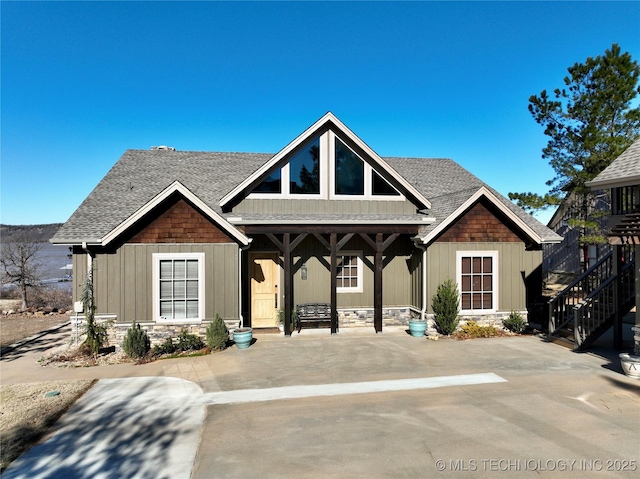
column 448, row 186
column 140, row 175
column 622, row 171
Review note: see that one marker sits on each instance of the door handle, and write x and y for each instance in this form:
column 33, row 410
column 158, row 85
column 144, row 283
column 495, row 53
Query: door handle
column 275, row 300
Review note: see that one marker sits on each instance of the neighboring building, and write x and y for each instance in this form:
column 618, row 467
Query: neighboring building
column 174, row 237
column 567, row 260
column 622, row 178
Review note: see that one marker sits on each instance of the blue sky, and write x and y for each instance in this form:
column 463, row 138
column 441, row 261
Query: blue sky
column 84, row 81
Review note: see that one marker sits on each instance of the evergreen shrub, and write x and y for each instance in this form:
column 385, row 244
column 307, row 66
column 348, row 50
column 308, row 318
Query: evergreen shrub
column 217, row 334
column 445, row 304
column 136, row 343
column 515, row 322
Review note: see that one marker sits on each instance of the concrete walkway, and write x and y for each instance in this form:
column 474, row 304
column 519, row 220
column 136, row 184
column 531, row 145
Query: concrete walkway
column 352, row 405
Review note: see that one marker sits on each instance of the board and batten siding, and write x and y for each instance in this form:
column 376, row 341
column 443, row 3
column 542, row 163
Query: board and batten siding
column 322, row 206
column 398, row 280
column 123, row 280
column 513, row 259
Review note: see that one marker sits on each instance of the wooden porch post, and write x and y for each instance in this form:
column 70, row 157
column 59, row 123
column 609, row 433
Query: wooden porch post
column 288, row 283
column 333, row 246
column 377, row 285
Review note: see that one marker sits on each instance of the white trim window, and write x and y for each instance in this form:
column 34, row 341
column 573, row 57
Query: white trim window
column 349, row 272
column 477, row 276
column 325, row 167
column 178, row 287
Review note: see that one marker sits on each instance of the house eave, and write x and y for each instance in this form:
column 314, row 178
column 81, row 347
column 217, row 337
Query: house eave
column 613, row 182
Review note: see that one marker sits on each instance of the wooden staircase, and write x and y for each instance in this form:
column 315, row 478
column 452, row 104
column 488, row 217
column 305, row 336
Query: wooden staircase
column 589, row 306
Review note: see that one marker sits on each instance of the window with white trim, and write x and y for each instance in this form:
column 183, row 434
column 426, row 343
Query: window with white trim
column 349, row 273
column 325, row 167
column 477, row 276
column 178, row 286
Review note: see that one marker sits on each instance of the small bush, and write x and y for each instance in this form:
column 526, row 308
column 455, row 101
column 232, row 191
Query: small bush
column 136, row 343
column 166, row 347
column 472, row 330
column 446, row 307
column 185, row 342
column 217, row 334
column 189, row 342
column 515, row 322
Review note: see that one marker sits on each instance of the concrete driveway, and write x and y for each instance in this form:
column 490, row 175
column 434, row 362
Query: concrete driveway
column 364, row 405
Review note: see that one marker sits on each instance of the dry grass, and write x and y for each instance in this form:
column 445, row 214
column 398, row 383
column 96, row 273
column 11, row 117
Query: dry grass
column 26, row 413
column 15, row 327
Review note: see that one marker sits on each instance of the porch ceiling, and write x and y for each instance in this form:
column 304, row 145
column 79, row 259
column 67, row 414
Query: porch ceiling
column 327, row 229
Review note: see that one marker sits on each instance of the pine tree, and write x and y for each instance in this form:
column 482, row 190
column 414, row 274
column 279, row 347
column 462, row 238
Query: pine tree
column 589, row 122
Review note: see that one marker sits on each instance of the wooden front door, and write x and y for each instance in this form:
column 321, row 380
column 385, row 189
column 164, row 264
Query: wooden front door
column 265, row 272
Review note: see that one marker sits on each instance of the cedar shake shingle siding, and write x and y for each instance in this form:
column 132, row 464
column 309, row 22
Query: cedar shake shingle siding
column 479, row 225
column 181, row 223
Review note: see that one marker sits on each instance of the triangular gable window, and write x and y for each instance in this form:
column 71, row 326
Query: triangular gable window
column 325, row 167
column 380, row 187
column 271, row 184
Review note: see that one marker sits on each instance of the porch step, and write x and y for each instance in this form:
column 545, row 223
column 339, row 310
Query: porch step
column 561, row 341
column 563, row 337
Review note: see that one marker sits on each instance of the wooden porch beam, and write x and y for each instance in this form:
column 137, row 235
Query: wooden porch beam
column 322, row 241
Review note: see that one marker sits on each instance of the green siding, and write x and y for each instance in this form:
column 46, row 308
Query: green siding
column 123, row 281
column 512, row 260
column 317, row 206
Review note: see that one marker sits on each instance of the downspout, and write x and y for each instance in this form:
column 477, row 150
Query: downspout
column 423, row 311
column 240, row 288
column 85, row 248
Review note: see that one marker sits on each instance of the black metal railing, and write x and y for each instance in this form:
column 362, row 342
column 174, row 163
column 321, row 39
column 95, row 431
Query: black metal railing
column 599, row 308
column 591, row 301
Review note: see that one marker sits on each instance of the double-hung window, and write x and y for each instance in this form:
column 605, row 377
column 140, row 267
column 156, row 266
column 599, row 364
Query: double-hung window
column 178, row 286
column 349, row 273
column 477, row 276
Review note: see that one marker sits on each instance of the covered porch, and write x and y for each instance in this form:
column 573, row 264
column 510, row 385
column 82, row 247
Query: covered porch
column 341, row 265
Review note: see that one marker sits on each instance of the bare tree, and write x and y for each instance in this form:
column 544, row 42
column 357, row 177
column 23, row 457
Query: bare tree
column 20, row 264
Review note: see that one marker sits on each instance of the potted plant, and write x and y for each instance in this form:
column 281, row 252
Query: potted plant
column 242, row 337
column 281, row 320
column 630, row 365
column 294, row 319
column 417, row 327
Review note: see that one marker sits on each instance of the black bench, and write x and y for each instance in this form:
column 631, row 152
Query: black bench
column 313, row 314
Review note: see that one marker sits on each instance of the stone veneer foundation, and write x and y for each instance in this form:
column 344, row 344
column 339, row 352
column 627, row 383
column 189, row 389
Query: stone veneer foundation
column 347, row 318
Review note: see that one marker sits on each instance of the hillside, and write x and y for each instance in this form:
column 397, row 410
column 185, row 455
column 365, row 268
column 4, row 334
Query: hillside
column 35, row 233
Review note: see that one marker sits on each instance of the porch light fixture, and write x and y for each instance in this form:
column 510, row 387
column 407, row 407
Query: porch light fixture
column 303, row 271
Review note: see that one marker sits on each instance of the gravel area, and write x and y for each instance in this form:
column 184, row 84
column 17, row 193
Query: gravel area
column 27, row 412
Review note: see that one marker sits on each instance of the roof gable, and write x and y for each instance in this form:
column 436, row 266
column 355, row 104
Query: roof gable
column 342, row 134
column 463, row 200
column 176, row 187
